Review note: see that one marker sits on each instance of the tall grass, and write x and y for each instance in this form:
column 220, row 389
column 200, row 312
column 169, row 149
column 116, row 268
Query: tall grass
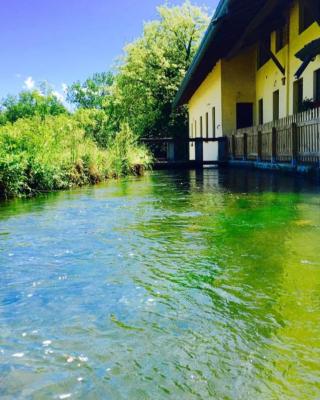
column 54, row 153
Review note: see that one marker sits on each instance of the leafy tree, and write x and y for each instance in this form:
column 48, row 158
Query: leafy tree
column 92, row 92
column 97, row 125
column 28, row 104
column 152, row 70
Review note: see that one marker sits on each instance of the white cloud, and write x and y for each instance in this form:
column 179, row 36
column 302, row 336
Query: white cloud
column 29, row 83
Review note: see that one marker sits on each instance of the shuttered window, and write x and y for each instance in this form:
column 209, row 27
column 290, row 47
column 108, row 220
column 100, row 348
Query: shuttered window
column 207, row 125
column 213, row 122
column 260, row 107
column 317, row 86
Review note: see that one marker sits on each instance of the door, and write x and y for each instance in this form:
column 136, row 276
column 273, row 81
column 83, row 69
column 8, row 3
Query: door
column 244, row 115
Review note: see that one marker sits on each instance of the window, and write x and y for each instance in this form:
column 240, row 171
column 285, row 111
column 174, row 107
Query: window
column 213, row 122
column 298, row 96
column 207, row 125
column 201, row 127
column 244, row 115
column 316, row 95
column 281, row 37
column 260, row 110
column 264, row 51
column 306, row 18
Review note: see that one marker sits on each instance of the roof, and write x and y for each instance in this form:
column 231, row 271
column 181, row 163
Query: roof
column 235, row 24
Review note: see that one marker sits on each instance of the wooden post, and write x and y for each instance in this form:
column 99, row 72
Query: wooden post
column 245, row 146
column 294, row 141
column 274, row 145
column 259, row 152
column 223, row 149
column 233, row 146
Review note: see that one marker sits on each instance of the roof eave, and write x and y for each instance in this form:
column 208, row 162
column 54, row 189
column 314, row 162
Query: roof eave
column 219, row 15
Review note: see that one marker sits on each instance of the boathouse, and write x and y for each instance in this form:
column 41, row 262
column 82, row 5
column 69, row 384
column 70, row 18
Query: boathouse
column 257, row 68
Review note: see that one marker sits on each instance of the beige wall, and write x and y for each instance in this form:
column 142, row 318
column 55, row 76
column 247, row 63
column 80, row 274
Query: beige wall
column 238, row 80
column 297, row 42
column 238, row 86
column 269, row 77
column 204, row 99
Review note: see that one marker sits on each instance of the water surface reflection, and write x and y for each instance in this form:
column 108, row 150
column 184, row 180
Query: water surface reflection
column 191, row 285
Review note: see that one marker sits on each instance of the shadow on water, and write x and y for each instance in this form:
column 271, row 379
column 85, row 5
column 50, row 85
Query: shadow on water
column 242, row 181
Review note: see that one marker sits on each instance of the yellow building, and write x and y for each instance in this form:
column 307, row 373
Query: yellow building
column 259, row 61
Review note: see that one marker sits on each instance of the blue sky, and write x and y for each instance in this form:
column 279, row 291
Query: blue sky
column 66, row 40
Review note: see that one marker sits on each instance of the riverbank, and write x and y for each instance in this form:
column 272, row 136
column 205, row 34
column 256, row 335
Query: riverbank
column 55, row 153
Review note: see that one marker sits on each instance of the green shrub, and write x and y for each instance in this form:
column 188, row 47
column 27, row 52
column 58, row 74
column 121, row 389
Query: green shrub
column 96, row 125
column 125, row 156
column 56, row 152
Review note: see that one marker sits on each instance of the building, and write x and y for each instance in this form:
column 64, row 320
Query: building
column 259, row 61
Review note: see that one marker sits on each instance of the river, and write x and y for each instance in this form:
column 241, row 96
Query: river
column 175, row 285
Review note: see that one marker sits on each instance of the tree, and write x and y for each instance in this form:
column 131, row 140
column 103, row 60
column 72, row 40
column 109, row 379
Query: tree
column 28, row 104
column 92, row 92
column 152, row 70
column 97, row 125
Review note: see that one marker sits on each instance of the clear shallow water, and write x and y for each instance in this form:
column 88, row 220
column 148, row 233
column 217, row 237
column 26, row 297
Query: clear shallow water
column 173, row 286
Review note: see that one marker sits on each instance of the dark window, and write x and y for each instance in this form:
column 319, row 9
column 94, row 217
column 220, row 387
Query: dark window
column 276, row 105
column 306, row 17
column 201, row 127
column 244, row 115
column 207, row 125
column 281, row 37
column 264, row 51
column 298, row 96
column 260, row 112
column 317, row 86
column 213, row 122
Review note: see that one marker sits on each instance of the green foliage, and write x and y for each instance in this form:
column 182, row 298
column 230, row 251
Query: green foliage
column 43, row 147
column 125, row 155
column 28, row 104
column 153, row 68
column 92, row 92
column 54, row 152
column 97, row 126
column 148, row 77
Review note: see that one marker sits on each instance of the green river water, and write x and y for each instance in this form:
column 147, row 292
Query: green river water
column 177, row 285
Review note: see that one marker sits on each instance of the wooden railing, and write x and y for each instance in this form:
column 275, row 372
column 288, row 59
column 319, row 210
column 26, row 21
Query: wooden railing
column 294, row 139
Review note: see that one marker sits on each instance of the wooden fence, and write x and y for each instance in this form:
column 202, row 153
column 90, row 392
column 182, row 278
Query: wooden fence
column 294, row 139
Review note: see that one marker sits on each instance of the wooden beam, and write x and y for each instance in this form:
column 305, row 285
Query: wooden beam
column 274, row 59
column 303, row 67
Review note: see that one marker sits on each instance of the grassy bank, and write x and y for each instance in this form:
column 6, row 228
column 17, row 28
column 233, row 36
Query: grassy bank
column 55, row 152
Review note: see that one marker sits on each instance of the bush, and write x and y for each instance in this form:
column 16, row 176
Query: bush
column 55, row 152
column 125, row 156
column 96, row 125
